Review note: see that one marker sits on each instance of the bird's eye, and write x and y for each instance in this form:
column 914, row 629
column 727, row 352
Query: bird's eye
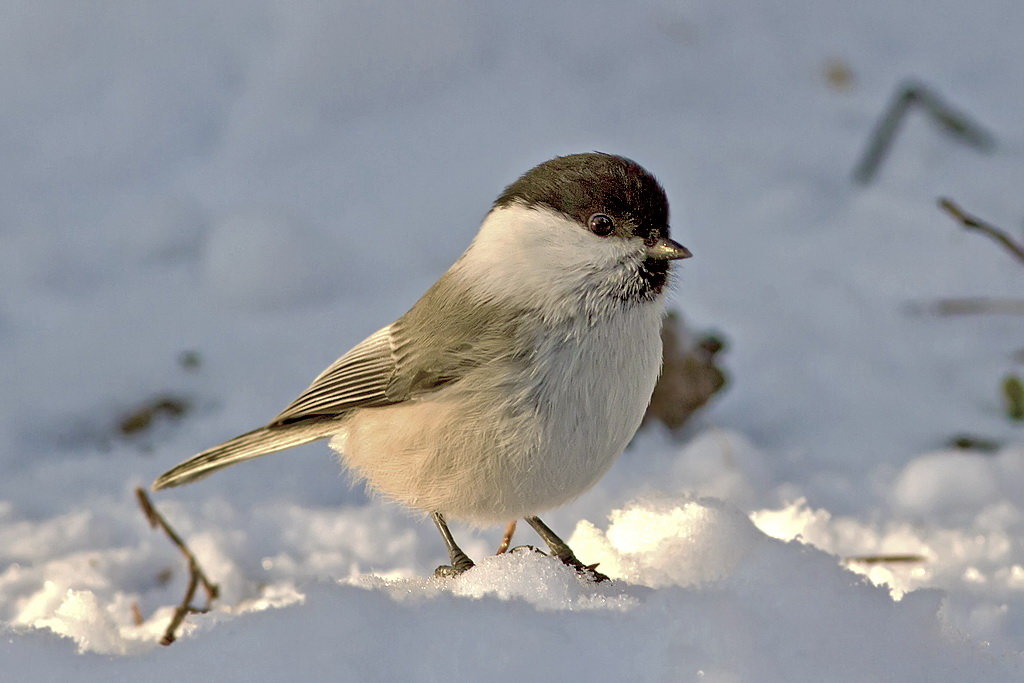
column 601, row 225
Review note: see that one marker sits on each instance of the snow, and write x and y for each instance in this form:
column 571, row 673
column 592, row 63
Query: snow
column 256, row 186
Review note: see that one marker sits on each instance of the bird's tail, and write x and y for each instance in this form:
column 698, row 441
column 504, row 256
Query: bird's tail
column 262, row 441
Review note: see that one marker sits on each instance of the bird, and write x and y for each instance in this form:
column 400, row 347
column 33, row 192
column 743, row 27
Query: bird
column 514, row 383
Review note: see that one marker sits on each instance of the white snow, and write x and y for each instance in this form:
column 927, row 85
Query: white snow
column 262, row 185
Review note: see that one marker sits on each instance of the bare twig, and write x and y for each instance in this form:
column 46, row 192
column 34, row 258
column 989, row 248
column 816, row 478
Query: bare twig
column 974, row 223
column 885, row 559
column 971, row 306
column 914, row 94
column 196, row 575
column 970, row 442
column 882, row 137
column 506, row 540
column 137, row 617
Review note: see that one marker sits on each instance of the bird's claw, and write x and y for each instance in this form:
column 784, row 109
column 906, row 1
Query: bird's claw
column 586, row 571
column 460, row 566
column 527, row 548
column 590, row 572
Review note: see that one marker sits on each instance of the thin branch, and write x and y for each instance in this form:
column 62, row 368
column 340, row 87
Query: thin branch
column 885, row 559
column 909, row 95
column 974, row 223
column 882, row 137
column 137, row 617
column 970, row 306
column 969, row 442
column 196, row 575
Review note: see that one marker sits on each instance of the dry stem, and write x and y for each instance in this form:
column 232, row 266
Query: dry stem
column 974, row 223
column 196, row 575
column 884, row 559
column 976, row 305
column 909, row 95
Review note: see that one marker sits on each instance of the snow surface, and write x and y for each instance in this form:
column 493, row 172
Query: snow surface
column 262, row 184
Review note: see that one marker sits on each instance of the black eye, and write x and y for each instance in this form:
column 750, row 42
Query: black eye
column 601, row 225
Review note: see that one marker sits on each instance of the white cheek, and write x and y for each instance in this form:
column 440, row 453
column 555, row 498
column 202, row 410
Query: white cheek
column 526, row 254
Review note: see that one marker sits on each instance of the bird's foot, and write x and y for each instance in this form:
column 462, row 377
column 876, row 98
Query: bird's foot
column 458, row 567
column 560, row 550
column 586, row 571
column 446, row 571
column 527, row 549
column 460, row 562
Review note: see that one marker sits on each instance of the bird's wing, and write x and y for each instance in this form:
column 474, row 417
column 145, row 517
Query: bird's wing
column 435, row 344
column 358, row 379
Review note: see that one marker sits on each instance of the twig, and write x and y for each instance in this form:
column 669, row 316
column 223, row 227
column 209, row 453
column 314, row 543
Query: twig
column 974, row 223
column 506, row 540
column 884, row 559
column 908, row 95
column 969, row 442
column 196, row 575
column 137, row 617
column 973, row 306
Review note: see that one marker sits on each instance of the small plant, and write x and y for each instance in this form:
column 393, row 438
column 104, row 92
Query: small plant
column 1013, row 395
column 1013, row 387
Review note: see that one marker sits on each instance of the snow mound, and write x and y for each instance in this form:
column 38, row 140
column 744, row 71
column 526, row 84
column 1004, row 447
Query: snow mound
column 950, row 484
column 696, row 590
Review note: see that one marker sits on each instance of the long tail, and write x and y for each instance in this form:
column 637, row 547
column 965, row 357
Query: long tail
column 262, row 441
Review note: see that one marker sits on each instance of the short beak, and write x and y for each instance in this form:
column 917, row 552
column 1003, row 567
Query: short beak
column 665, row 249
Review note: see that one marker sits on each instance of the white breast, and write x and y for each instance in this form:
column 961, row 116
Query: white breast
column 493, row 447
column 596, row 387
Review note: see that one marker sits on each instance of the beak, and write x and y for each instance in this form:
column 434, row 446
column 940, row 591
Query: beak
column 665, row 249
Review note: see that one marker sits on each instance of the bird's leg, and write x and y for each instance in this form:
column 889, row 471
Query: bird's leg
column 506, row 540
column 459, row 561
column 562, row 551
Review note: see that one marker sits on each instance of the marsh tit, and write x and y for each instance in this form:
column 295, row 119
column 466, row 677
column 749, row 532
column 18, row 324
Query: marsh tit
column 515, row 382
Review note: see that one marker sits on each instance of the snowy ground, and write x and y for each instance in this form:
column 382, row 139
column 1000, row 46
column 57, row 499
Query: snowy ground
column 259, row 185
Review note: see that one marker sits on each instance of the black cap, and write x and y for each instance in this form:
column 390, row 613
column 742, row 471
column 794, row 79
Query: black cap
column 581, row 185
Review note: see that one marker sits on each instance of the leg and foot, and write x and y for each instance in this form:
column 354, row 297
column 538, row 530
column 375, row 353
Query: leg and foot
column 459, row 561
column 560, row 550
column 506, row 540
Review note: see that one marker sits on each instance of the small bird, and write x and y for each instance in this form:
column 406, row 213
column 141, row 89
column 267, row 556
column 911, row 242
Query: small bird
column 515, row 382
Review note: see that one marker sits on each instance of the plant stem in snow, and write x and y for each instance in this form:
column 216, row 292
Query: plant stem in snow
column 196, row 575
column 973, row 223
column 909, row 95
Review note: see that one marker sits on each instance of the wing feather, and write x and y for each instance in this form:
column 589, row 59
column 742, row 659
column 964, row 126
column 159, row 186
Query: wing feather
column 444, row 337
column 447, row 334
column 358, row 379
